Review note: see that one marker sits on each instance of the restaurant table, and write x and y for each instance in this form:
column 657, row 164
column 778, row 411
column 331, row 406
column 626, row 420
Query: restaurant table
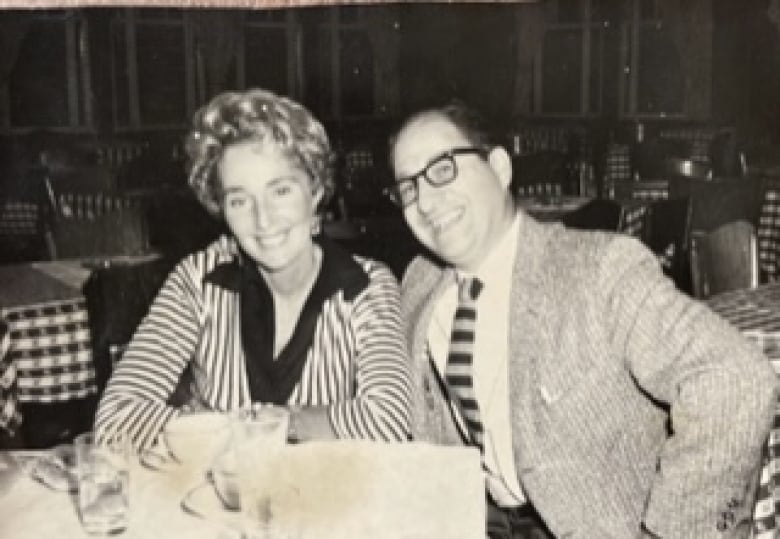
column 343, row 490
column 47, row 356
column 756, row 314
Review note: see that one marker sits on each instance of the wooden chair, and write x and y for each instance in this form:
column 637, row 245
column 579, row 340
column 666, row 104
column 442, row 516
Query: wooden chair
column 118, row 297
column 667, row 233
column 119, row 233
column 596, row 214
column 725, row 259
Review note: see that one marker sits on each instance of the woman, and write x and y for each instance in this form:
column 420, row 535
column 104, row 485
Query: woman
column 267, row 313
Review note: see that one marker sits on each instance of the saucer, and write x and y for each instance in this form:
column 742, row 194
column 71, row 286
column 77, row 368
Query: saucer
column 203, row 502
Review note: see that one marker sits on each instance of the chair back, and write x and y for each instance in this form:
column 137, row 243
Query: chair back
column 118, row 297
column 725, row 259
column 667, row 233
column 596, row 214
column 21, row 231
column 118, row 233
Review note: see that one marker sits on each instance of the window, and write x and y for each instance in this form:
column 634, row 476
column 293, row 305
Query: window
column 653, row 83
column 342, row 58
column 269, row 55
column 603, row 56
column 151, row 68
column 167, row 62
column 49, row 81
column 570, row 62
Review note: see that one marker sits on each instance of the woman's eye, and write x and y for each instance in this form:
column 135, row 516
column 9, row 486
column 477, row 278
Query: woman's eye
column 282, row 190
column 236, row 202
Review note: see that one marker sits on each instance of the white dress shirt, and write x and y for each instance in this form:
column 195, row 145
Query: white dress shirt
column 490, row 372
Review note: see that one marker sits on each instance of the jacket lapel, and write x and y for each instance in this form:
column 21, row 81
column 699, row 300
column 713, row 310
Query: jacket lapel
column 433, row 420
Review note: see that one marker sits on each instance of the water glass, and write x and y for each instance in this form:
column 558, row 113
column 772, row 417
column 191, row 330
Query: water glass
column 266, row 498
column 103, row 469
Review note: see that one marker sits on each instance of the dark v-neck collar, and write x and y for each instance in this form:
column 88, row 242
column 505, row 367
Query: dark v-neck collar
column 273, row 380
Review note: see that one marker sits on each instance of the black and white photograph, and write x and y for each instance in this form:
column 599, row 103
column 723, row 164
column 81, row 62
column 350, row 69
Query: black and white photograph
column 347, row 269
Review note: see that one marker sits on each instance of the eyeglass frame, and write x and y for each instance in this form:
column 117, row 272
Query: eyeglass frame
column 394, row 191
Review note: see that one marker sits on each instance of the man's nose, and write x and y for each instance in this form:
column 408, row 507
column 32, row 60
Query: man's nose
column 426, row 194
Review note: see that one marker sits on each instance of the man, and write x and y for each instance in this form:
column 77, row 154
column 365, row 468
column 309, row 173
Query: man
column 600, row 397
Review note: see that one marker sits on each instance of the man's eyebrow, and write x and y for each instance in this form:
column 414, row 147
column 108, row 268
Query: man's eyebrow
column 282, row 179
column 428, row 162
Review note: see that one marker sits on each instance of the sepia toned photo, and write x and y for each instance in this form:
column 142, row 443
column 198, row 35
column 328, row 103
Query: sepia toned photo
column 315, row 269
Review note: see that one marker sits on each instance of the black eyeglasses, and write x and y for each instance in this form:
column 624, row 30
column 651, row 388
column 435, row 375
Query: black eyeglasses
column 439, row 171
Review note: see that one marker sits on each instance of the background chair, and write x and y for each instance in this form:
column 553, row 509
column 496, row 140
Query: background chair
column 118, row 297
column 667, row 233
column 725, row 259
column 89, row 217
column 596, row 214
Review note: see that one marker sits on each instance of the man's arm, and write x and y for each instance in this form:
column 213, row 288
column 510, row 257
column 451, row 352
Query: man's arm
column 720, row 390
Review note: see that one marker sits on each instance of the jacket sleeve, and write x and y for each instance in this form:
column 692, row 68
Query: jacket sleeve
column 135, row 401
column 719, row 388
column 380, row 407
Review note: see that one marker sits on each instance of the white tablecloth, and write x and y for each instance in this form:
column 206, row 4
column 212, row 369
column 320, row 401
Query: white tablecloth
column 347, row 490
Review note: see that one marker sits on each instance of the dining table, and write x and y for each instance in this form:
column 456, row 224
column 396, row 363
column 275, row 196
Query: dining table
column 755, row 312
column 46, row 352
column 46, row 356
column 342, row 489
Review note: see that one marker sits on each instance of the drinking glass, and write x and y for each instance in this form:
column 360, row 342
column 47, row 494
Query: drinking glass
column 266, row 498
column 103, row 469
column 194, row 440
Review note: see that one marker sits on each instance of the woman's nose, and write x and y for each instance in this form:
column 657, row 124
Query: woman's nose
column 262, row 214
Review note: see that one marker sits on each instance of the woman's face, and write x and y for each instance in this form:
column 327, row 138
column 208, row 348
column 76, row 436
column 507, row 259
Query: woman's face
column 268, row 205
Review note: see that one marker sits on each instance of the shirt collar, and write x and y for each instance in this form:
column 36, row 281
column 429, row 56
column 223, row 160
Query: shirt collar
column 495, row 266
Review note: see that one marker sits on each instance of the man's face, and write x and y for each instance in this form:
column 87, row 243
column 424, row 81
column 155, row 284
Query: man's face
column 462, row 220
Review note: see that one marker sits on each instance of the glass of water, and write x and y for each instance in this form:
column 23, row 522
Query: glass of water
column 103, row 469
column 267, row 500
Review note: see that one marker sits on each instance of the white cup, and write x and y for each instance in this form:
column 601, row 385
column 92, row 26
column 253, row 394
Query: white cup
column 103, row 469
column 194, row 440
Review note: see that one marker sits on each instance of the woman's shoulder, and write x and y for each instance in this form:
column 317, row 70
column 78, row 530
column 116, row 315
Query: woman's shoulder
column 199, row 263
column 376, row 270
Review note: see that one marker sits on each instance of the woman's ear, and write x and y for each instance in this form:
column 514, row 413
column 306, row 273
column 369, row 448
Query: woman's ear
column 501, row 163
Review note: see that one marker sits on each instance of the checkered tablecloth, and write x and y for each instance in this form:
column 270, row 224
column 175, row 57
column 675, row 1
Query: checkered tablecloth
column 19, row 218
column 10, row 418
column 47, row 356
column 756, row 313
column 768, row 232
column 618, row 163
column 632, row 221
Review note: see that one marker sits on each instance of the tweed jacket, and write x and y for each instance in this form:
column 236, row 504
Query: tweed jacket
column 632, row 406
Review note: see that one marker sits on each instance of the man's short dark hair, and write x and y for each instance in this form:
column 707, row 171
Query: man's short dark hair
column 467, row 120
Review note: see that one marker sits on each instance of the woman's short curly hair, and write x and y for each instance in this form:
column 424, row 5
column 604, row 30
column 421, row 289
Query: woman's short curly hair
column 261, row 116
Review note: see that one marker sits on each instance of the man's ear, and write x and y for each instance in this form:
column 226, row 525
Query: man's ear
column 501, row 163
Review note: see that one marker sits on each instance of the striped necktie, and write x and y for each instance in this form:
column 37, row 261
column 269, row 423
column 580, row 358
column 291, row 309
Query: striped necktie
column 458, row 372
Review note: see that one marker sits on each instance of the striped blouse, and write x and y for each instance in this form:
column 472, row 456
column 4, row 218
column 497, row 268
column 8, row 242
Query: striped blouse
column 356, row 365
